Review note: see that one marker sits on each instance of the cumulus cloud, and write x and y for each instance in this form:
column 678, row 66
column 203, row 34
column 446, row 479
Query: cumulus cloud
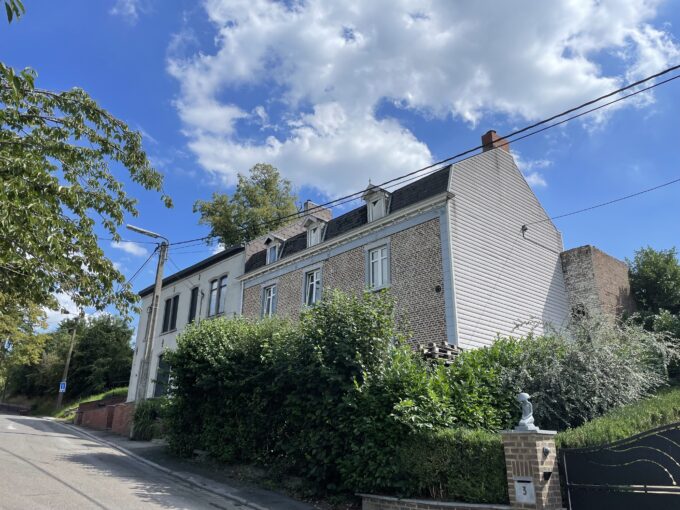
column 65, row 304
column 129, row 10
column 330, row 65
column 129, row 247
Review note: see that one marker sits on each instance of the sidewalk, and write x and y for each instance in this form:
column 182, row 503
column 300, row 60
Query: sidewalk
column 154, row 453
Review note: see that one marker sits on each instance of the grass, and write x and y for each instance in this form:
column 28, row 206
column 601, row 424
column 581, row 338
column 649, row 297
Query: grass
column 661, row 409
column 69, row 409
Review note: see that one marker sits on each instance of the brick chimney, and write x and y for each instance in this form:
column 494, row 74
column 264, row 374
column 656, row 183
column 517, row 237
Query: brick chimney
column 316, row 210
column 491, row 140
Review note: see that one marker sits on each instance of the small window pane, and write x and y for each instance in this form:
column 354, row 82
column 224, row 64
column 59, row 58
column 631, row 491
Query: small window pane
column 272, row 253
column 222, row 295
column 166, row 315
column 212, row 307
column 173, row 315
column 193, row 305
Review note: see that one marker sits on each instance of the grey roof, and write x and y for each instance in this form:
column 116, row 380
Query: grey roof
column 199, row 266
column 401, row 198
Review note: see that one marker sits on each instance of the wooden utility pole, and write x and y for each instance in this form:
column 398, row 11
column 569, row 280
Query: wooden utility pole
column 64, row 377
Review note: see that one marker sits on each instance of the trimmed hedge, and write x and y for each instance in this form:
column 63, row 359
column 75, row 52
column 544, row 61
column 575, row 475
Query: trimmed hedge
column 662, row 409
column 455, row 464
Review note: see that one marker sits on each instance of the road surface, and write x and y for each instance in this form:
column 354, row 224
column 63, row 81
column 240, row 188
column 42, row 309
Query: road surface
column 45, row 465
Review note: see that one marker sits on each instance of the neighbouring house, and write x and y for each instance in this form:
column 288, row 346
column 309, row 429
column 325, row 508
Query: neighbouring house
column 205, row 290
column 466, row 251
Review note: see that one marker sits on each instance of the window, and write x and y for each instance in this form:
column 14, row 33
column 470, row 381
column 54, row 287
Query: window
column 269, row 301
column 312, row 287
column 218, row 296
column 376, row 208
column 222, row 295
column 162, row 378
column 212, row 305
column 272, row 254
column 378, row 268
column 193, row 305
column 170, row 314
column 313, row 235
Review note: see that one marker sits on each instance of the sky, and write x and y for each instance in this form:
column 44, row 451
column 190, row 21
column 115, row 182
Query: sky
column 335, row 93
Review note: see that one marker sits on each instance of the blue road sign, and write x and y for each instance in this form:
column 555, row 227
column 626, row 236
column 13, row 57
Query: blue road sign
column 62, row 387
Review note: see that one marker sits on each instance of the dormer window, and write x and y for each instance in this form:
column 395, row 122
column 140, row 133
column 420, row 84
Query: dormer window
column 376, row 202
column 314, row 228
column 272, row 253
column 272, row 247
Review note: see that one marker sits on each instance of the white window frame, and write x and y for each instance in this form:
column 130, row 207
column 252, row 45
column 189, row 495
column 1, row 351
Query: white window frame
column 376, row 208
column 275, row 247
column 378, row 270
column 312, row 280
column 269, row 300
column 314, row 234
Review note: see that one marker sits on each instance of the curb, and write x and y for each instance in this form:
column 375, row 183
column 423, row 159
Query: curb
column 197, row 482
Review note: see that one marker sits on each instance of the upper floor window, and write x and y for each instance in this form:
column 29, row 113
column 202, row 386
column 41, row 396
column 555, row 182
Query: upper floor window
column 272, row 253
column 170, row 314
column 376, row 208
column 193, row 305
column 218, row 296
column 314, row 235
column 378, row 267
column 312, row 287
column 269, row 301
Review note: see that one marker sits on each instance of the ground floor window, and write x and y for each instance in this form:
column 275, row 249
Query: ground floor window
column 162, row 378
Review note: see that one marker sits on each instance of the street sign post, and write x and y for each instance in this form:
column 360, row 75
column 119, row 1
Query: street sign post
column 62, row 387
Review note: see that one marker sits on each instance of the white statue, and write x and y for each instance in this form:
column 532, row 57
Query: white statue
column 527, row 421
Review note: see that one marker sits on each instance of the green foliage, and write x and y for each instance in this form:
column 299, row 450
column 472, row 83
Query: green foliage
column 455, row 464
column 261, row 203
column 14, row 9
column 102, row 359
column 147, row 419
column 658, row 410
column 655, row 280
column 56, row 150
column 68, row 410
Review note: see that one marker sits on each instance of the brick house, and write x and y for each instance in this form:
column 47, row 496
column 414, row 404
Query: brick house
column 449, row 247
column 467, row 252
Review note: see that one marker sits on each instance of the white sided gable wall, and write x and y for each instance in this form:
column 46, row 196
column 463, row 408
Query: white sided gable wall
column 504, row 283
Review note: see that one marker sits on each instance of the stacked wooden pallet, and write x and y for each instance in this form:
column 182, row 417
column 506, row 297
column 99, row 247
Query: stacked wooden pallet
column 439, row 351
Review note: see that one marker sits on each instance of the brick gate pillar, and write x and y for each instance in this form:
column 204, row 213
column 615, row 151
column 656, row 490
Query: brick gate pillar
column 532, row 469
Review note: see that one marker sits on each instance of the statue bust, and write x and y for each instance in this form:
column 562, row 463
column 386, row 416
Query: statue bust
column 527, row 422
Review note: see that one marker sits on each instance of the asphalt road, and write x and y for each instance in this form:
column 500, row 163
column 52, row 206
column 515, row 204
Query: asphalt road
column 45, row 465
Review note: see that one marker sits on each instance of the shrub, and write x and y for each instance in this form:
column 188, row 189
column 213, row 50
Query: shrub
column 455, row 464
column 661, row 409
column 147, row 419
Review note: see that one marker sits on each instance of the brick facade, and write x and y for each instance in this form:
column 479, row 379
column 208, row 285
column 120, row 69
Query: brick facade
column 596, row 282
column 417, row 282
column 533, row 456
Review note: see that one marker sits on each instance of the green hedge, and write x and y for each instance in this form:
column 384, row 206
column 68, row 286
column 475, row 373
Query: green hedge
column 455, row 464
column 147, row 419
column 662, row 409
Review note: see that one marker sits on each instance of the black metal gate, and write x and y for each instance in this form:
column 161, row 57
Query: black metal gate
column 641, row 472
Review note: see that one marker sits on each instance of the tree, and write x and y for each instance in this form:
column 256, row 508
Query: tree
column 262, row 202
column 56, row 150
column 655, row 280
column 19, row 345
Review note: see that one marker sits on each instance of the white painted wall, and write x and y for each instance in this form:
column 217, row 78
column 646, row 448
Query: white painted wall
column 501, row 279
column 232, row 267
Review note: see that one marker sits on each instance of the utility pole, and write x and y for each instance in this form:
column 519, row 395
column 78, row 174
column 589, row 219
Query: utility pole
column 143, row 376
column 64, row 377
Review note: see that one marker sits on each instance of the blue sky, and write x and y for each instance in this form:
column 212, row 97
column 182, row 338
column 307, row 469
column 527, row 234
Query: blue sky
column 336, row 94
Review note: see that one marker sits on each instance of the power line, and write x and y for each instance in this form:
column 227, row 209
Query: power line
column 125, row 240
column 142, row 266
column 603, row 204
column 506, row 140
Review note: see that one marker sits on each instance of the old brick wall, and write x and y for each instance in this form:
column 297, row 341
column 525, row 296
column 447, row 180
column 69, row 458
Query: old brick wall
column 122, row 418
column 417, row 282
column 96, row 418
column 371, row 502
column 613, row 283
column 596, row 282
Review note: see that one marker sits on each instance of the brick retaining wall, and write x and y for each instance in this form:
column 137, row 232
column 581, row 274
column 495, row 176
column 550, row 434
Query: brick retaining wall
column 122, row 418
column 97, row 418
column 373, row 502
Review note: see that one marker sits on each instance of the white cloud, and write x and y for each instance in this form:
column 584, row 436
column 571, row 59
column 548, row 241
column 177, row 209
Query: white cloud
column 331, row 64
column 218, row 248
column 129, row 247
column 532, row 169
column 54, row 317
column 129, row 10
